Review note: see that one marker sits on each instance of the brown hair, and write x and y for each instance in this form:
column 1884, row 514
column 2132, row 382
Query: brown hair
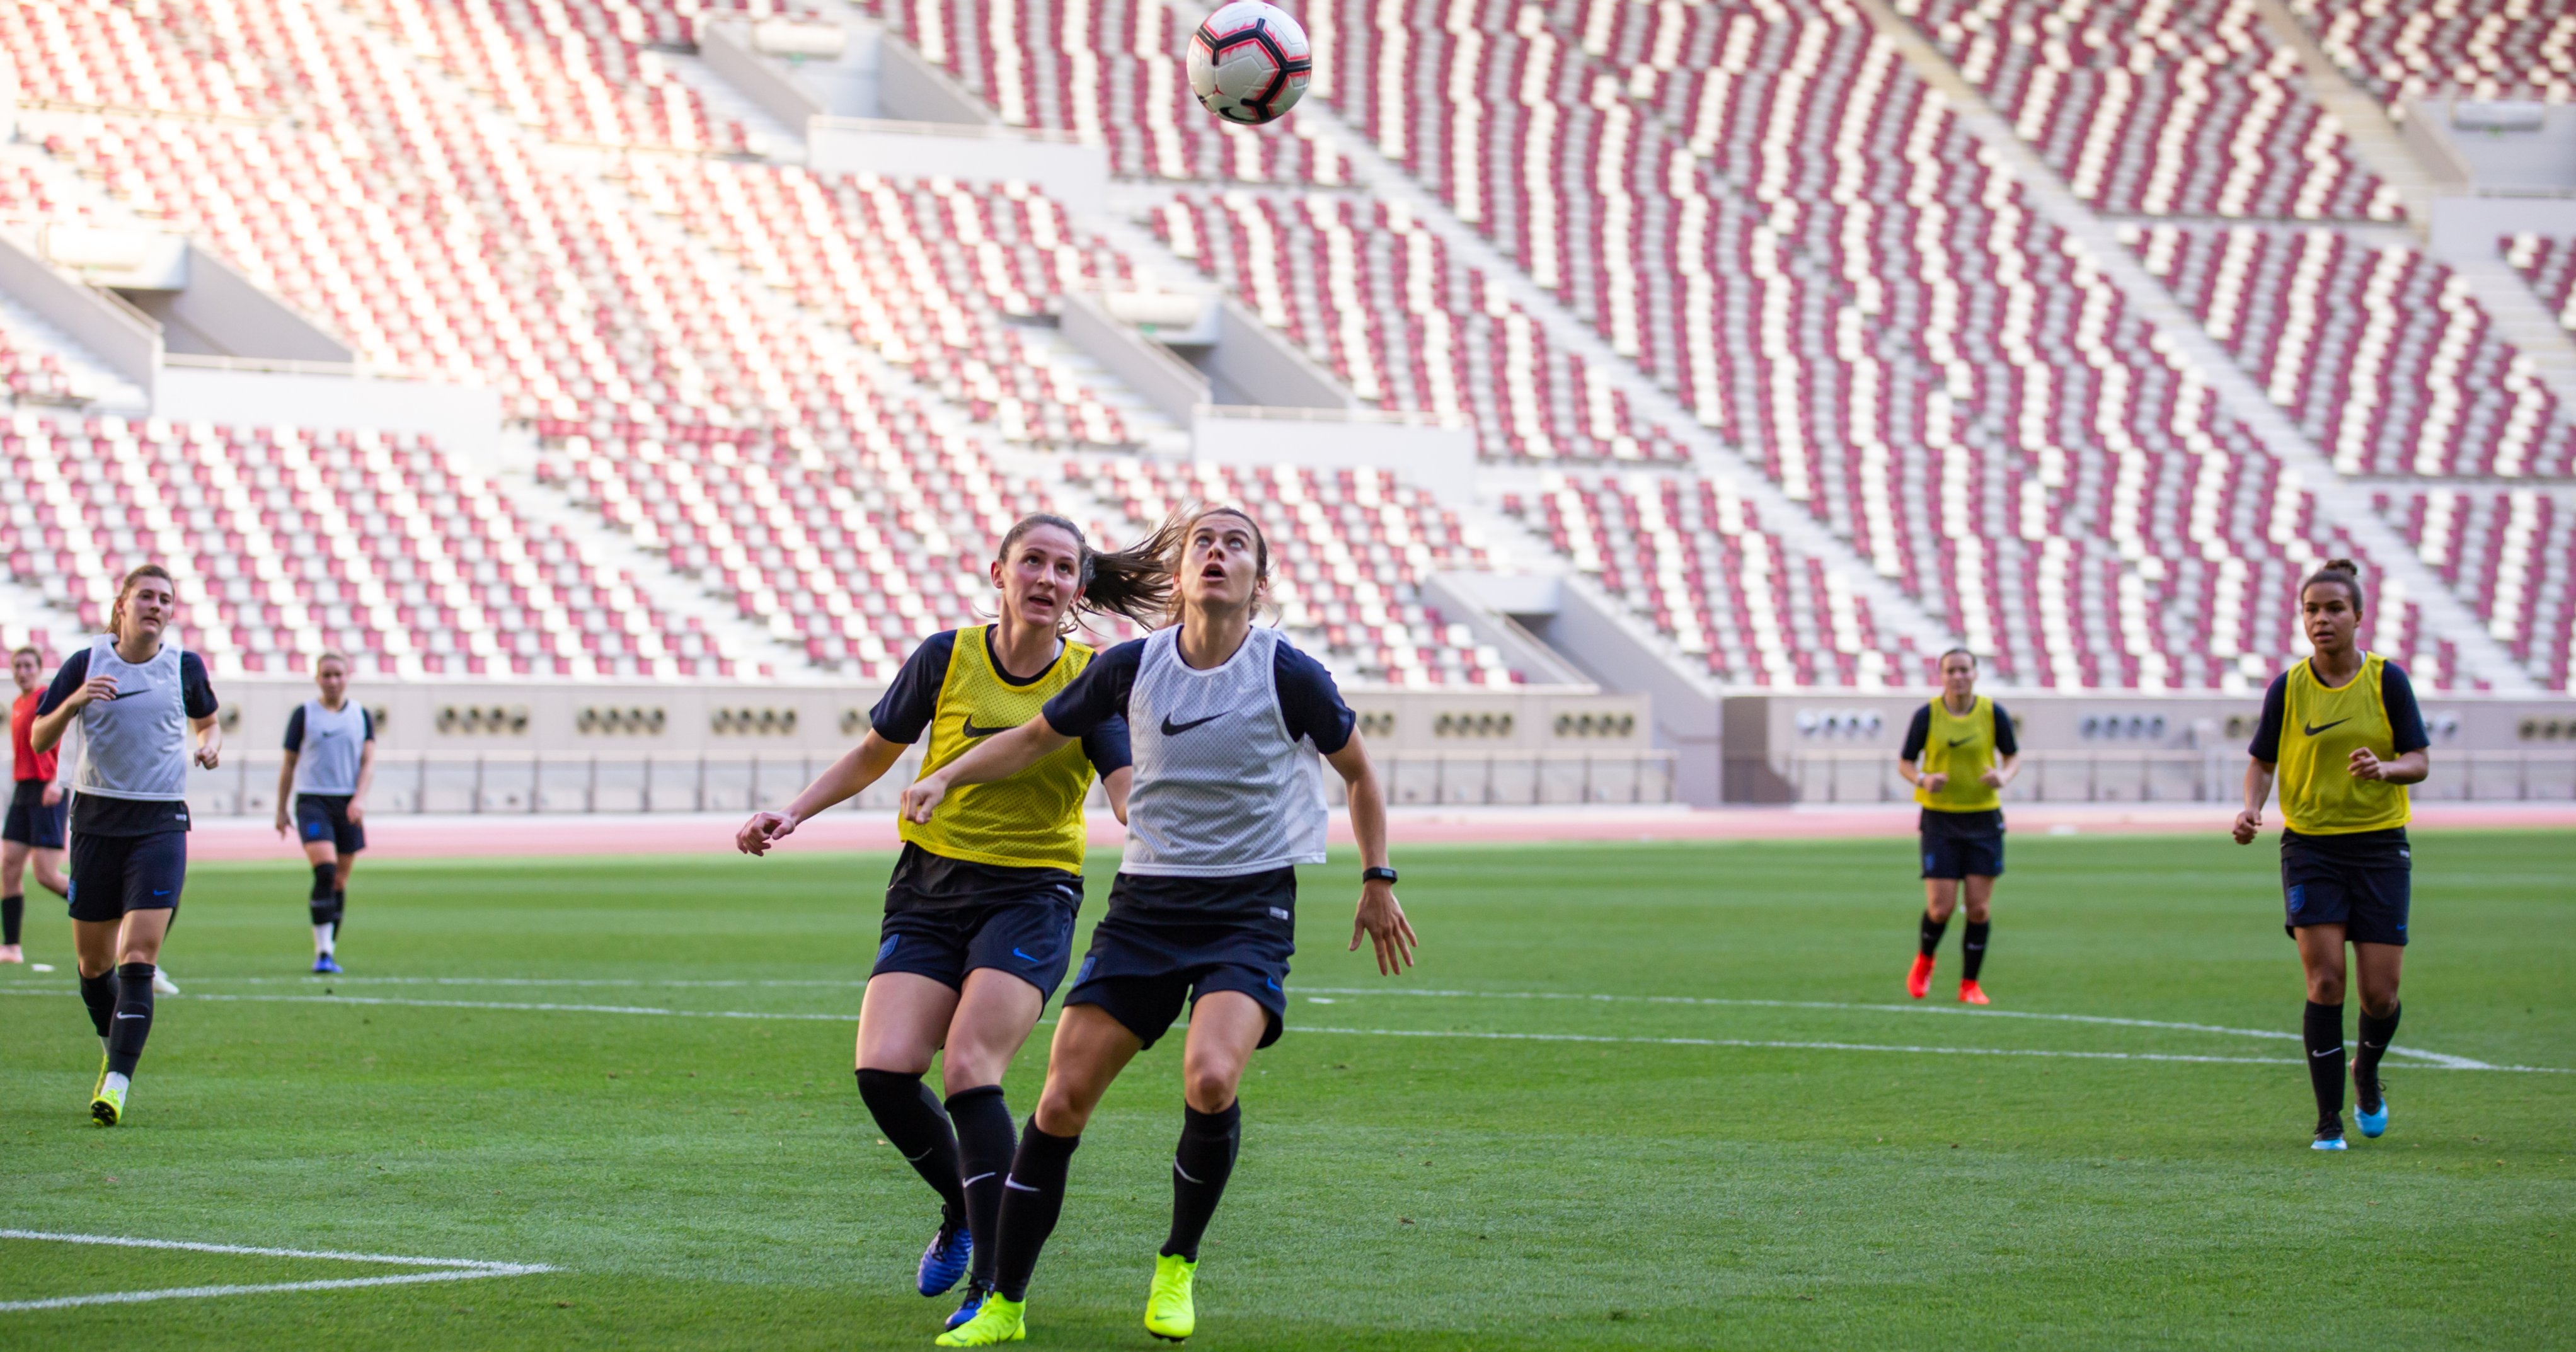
column 28, row 651
column 2343, row 573
column 331, row 655
column 1944, row 659
column 1133, row 582
column 116, row 614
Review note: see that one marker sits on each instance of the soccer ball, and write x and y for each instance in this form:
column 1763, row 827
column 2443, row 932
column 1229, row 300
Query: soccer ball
column 1249, row 62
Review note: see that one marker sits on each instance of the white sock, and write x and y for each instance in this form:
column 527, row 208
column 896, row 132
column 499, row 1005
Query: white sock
column 115, row 1083
column 322, row 939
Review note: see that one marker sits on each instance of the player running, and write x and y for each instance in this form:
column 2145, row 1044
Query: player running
column 979, row 913
column 322, row 795
column 137, row 698
column 1227, row 720
column 2343, row 734
column 1959, row 754
column 34, row 830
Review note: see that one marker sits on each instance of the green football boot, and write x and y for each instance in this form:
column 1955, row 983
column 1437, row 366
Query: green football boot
column 107, row 1105
column 1169, row 1311
column 1000, row 1320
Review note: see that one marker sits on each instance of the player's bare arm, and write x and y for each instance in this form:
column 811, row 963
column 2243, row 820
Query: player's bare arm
column 2001, row 772
column 1116, row 784
column 999, row 757
column 861, row 766
column 1380, row 916
column 210, row 741
column 2258, row 790
column 286, row 792
column 357, row 809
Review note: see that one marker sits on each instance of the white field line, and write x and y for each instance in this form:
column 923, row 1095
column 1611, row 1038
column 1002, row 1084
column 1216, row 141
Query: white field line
column 2442, row 1063
column 451, row 1270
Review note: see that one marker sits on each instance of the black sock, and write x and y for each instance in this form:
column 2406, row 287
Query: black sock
column 339, row 909
column 1031, row 1201
column 12, row 911
column 985, row 1144
column 1200, row 1167
column 2376, row 1034
column 99, row 993
column 319, row 902
column 2323, row 1028
column 908, row 1113
column 133, row 1017
column 1972, row 948
column 1932, row 932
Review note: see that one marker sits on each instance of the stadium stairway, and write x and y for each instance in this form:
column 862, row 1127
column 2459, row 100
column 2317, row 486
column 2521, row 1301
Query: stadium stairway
column 2518, row 316
column 2342, row 504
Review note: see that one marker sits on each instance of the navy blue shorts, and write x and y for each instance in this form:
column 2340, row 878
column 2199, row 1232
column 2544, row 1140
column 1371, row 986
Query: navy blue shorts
column 947, row 917
column 2364, row 882
column 111, row 875
column 1962, row 844
column 325, row 816
column 1167, row 942
column 31, row 823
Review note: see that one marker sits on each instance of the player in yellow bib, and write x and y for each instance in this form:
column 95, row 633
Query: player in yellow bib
column 979, row 913
column 1959, row 754
column 2342, row 735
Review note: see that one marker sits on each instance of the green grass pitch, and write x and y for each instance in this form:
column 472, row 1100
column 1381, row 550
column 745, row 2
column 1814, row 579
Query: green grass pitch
column 1629, row 1174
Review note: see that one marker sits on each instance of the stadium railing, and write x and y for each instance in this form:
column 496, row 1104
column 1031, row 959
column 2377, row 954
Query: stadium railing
column 2212, row 775
column 575, row 783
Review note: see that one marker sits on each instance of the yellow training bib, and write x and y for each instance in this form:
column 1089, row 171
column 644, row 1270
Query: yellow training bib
column 1034, row 818
column 1961, row 746
column 2320, row 727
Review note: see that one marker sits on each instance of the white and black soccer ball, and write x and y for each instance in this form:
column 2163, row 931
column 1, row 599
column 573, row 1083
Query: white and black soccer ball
column 1249, row 62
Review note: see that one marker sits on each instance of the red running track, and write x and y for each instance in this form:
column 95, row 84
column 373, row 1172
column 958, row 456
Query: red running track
column 514, row 836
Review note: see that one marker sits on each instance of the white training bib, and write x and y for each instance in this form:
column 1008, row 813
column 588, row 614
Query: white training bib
column 135, row 745
column 1221, row 788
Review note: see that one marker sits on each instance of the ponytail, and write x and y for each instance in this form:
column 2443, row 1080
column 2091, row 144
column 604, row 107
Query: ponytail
column 2343, row 573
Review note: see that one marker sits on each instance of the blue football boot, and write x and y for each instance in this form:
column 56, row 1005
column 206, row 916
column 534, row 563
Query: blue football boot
column 325, row 964
column 944, row 1263
column 975, row 1293
column 2370, row 1108
column 2329, row 1134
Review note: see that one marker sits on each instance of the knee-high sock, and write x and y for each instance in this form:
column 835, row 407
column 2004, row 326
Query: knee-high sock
column 1031, row 1200
column 12, row 911
column 908, row 1113
column 339, row 910
column 2323, row 1028
column 1932, row 932
column 318, row 901
column 2376, row 1034
column 985, row 1144
column 1200, row 1167
column 1972, row 948
column 133, row 1022
column 99, row 993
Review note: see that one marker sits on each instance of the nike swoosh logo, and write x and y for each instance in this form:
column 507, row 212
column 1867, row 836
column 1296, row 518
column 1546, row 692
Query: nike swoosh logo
column 2335, row 724
column 973, row 731
column 977, row 1179
column 916, row 1159
column 1016, row 1185
column 134, row 1016
column 125, row 694
column 1961, row 741
column 1172, row 729
column 1022, row 956
column 1176, row 1168
column 2319, row 1056
column 162, row 893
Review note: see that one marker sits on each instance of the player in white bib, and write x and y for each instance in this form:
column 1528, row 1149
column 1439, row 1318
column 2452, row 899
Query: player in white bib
column 138, row 701
column 322, row 796
column 1227, row 722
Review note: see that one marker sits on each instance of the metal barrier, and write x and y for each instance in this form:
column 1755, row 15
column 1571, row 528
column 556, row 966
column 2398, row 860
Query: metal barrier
column 527, row 782
column 2214, row 775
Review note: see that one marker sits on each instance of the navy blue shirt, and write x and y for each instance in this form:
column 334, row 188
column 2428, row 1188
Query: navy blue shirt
column 2405, row 720
column 904, row 712
column 97, row 815
column 1309, row 703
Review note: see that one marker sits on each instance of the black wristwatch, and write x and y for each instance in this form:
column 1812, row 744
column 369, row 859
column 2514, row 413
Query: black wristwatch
column 1377, row 875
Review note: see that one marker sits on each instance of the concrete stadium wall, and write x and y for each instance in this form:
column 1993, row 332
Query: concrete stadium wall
column 465, row 419
column 1165, row 381
column 910, row 87
column 221, row 313
column 126, row 339
column 2537, row 159
column 1074, row 172
column 1436, row 457
column 1253, row 363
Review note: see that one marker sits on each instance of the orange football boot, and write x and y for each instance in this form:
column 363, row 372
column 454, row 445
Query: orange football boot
column 1918, row 983
column 1970, row 993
